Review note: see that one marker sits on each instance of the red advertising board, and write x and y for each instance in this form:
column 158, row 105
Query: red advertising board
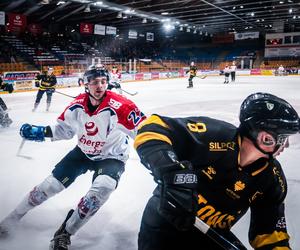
column 16, row 22
column 255, row 72
column 139, row 76
column 86, row 28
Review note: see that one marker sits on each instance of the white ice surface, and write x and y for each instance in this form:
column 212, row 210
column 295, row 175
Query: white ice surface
column 116, row 225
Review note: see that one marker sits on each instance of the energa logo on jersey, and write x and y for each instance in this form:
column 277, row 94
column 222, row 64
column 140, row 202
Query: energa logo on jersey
column 91, row 128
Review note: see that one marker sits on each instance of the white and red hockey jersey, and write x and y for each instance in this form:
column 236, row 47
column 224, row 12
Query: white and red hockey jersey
column 115, row 76
column 103, row 133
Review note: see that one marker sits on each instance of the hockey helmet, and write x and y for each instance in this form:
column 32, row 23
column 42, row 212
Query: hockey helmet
column 267, row 112
column 95, row 72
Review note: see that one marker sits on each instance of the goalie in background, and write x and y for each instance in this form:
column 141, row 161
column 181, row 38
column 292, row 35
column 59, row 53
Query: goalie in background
column 193, row 72
column 216, row 171
column 5, row 121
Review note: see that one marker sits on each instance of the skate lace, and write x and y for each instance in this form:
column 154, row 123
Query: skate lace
column 62, row 241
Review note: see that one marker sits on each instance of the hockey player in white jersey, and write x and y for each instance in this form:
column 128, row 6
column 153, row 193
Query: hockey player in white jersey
column 115, row 80
column 103, row 122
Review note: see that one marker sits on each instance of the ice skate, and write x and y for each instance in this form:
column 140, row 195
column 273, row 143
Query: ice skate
column 61, row 239
column 35, row 107
column 6, row 121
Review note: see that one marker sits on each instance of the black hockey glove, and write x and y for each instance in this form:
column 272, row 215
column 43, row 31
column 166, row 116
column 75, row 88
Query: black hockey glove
column 117, row 85
column 178, row 190
column 37, row 84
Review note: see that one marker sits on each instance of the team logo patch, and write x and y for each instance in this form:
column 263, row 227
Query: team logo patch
column 91, row 128
column 281, row 223
column 209, row 172
column 270, row 106
column 238, row 186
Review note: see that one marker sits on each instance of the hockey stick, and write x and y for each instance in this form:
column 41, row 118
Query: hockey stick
column 132, row 94
column 216, row 237
column 20, row 149
column 64, row 94
column 202, row 77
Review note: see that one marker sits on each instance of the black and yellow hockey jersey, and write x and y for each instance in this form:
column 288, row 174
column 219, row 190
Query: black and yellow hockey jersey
column 192, row 71
column 225, row 190
column 46, row 82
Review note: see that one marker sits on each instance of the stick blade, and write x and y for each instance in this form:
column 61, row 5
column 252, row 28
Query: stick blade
column 25, row 157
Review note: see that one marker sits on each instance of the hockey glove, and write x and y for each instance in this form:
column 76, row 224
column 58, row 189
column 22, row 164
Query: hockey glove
column 32, row 132
column 178, row 192
column 117, row 85
column 37, row 84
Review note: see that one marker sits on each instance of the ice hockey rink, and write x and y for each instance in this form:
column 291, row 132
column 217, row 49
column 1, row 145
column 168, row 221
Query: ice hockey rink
column 116, row 225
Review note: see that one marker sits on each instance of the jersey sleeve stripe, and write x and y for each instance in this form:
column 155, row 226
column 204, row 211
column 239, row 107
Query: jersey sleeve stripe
column 268, row 239
column 148, row 136
column 153, row 119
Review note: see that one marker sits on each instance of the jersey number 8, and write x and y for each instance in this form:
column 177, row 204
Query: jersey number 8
column 198, row 127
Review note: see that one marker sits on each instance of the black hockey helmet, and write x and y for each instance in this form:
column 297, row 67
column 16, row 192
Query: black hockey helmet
column 94, row 72
column 267, row 112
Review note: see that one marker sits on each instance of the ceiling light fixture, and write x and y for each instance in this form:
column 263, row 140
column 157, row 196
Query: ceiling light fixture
column 119, row 15
column 87, row 9
column 45, row 2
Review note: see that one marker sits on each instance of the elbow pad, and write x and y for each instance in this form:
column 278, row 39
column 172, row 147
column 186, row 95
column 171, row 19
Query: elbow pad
column 157, row 157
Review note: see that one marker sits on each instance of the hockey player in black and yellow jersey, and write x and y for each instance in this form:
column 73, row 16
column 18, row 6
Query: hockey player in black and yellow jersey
column 213, row 170
column 193, row 72
column 46, row 83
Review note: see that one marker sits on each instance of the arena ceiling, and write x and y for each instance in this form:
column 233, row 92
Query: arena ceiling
column 212, row 16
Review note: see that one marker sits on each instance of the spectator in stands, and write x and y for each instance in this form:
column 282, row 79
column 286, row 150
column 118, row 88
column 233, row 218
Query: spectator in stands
column 226, row 73
column 233, row 71
column 46, row 83
column 12, row 59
